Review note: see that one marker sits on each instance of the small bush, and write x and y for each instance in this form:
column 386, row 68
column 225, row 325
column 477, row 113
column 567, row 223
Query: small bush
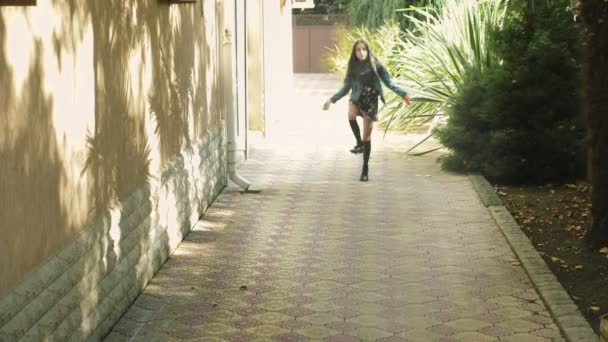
column 519, row 121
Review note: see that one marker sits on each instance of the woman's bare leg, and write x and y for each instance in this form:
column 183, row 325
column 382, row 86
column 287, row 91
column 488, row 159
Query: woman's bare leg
column 353, row 110
column 368, row 126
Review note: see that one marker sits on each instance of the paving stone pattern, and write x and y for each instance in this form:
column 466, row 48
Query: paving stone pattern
column 412, row 255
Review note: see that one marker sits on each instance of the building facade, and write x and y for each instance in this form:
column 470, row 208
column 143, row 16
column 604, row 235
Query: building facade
column 115, row 141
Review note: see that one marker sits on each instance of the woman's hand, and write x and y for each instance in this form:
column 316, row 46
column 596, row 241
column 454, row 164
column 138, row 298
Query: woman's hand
column 407, row 100
column 326, row 105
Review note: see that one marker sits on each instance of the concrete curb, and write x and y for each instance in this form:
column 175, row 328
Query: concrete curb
column 570, row 321
column 486, row 192
column 604, row 328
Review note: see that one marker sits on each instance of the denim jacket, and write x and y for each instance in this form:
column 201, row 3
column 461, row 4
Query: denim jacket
column 356, row 84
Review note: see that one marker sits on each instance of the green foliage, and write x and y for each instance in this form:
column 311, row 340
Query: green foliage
column 373, row 14
column 383, row 43
column 430, row 59
column 518, row 121
column 434, row 56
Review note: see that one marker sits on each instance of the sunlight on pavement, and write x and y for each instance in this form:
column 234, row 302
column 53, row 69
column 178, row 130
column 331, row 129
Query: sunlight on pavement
column 307, row 127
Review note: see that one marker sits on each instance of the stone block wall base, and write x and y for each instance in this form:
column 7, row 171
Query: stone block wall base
column 82, row 291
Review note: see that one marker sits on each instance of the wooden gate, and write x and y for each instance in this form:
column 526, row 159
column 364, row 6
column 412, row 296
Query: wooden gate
column 313, row 35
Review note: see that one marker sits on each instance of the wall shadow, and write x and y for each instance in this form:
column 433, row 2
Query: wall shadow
column 156, row 94
column 118, row 155
column 31, row 171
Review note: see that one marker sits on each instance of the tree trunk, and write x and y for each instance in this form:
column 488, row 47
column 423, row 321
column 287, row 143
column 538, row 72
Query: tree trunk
column 595, row 18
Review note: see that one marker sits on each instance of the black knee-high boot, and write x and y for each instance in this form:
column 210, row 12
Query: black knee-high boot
column 357, row 133
column 367, row 148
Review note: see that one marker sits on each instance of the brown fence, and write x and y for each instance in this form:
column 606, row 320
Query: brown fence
column 312, row 36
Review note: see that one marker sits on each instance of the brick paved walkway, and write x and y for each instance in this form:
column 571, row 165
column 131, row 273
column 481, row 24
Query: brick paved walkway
column 317, row 255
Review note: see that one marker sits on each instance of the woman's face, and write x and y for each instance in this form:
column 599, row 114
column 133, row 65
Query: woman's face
column 361, row 51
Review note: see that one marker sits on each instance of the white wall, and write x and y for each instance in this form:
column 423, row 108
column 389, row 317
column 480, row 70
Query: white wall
column 278, row 62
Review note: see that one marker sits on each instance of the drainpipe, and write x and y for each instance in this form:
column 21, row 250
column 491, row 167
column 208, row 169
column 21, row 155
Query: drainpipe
column 233, row 153
column 231, row 108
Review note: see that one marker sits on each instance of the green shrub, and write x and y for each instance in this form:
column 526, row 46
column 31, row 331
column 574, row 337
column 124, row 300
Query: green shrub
column 519, row 121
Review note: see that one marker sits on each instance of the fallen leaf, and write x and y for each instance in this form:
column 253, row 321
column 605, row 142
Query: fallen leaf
column 502, row 193
column 604, row 250
column 595, row 308
column 515, row 263
column 578, row 267
column 555, row 259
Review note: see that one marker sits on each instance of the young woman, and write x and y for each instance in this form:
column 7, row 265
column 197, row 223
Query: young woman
column 363, row 76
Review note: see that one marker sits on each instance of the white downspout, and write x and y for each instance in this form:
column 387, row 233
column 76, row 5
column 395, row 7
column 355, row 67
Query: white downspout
column 229, row 63
column 232, row 155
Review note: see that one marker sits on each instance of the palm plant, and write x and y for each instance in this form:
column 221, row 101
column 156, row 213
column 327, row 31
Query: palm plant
column 432, row 57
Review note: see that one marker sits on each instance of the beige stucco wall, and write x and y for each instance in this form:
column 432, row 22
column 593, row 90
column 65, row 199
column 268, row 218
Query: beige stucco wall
column 278, row 62
column 97, row 97
column 255, row 70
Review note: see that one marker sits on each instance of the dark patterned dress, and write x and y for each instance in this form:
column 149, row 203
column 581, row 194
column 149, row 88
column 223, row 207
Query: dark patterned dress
column 368, row 100
column 366, row 86
column 368, row 103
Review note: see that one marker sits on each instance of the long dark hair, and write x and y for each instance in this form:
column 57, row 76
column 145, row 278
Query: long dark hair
column 370, row 59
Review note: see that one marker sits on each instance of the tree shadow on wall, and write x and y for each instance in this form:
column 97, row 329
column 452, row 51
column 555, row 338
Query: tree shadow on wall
column 127, row 36
column 119, row 153
column 31, row 170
